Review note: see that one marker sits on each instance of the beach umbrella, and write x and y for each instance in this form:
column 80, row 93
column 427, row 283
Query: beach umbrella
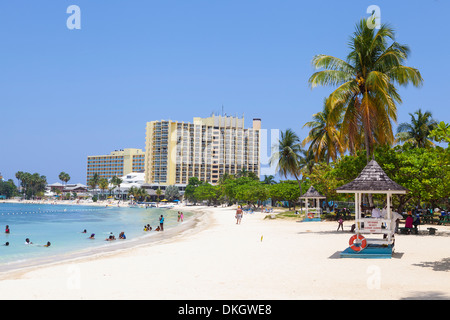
column 164, row 200
column 176, row 200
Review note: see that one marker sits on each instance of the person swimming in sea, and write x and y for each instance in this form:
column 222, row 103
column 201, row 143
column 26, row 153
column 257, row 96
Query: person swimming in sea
column 111, row 237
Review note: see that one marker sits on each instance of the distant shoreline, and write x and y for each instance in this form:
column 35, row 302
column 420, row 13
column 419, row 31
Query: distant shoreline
column 100, row 203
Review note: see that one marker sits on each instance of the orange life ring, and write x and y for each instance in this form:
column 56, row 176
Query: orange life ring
column 311, row 215
column 357, row 242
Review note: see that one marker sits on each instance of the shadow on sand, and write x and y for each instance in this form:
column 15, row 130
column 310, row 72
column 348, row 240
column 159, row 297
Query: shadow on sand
column 337, row 255
column 431, row 295
column 443, row 265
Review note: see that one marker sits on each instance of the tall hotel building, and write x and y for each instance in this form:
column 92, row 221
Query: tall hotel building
column 206, row 149
column 118, row 163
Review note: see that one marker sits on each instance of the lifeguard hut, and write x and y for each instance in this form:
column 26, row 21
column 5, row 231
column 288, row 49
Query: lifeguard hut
column 313, row 213
column 373, row 180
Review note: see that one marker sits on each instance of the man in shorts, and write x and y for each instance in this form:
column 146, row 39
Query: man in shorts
column 238, row 215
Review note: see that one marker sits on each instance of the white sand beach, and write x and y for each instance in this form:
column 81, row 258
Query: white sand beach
column 258, row 259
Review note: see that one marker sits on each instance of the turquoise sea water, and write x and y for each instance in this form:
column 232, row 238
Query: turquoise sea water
column 63, row 225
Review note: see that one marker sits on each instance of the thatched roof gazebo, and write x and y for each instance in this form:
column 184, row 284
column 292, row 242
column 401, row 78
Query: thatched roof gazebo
column 314, row 212
column 373, row 179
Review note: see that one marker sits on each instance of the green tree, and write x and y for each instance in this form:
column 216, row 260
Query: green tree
column 269, row 179
column 141, row 194
column 252, row 192
column 158, row 194
column 325, row 180
column 93, row 182
column 172, row 192
column 64, row 177
column 206, row 191
column 441, row 133
column 103, row 184
column 324, row 136
column 285, row 191
column 32, row 184
column 8, row 188
column 19, row 176
column 366, row 83
column 417, row 132
column 138, row 194
column 425, row 172
column 116, row 182
column 189, row 192
column 288, row 156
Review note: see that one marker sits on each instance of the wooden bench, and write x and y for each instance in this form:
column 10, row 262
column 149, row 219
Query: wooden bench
column 444, row 220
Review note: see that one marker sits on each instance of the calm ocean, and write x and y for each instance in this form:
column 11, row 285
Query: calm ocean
column 63, row 225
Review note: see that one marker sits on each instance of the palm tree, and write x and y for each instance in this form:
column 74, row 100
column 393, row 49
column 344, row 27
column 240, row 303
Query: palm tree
column 418, row 131
column 19, row 176
column 141, row 193
column 64, row 177
column 269, row 180
column 93, row 182
column 307, row 161
column 116, row 182
column 103, row 184
column 324, row 135
column 158, row 193
column 133, row 192
column 366, row 82
column 288, row 156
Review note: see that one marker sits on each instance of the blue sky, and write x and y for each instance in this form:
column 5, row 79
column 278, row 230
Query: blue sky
column 66, row 94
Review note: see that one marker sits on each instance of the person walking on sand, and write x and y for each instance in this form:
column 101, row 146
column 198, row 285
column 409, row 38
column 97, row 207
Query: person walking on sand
column 341, row 224
column 238, row 215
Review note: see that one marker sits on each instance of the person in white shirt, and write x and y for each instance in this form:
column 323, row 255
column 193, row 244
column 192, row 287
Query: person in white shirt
column 384, row 213
column 376, row 213
column 396, row 217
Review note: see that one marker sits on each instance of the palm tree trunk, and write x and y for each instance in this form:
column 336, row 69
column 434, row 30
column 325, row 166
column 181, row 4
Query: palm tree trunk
column 367, row 142
column 300, row 186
